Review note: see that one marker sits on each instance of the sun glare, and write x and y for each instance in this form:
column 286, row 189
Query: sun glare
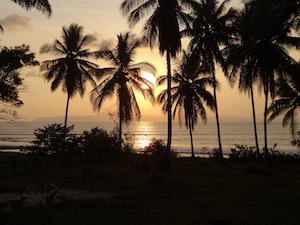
column 148, row 76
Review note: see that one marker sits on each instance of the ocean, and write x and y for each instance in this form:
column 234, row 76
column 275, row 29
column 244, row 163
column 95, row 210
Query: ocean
column 140, row 134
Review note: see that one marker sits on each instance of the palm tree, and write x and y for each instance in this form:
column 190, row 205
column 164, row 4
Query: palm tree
column 240, row 66
column 189, row 93
column 71, row 69
column 122, row 79
column 212, row 29
column 269, row 42
column 41, row 5
column 163, row 25
column 287, row 101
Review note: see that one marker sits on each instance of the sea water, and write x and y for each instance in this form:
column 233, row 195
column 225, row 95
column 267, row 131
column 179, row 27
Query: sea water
column 140, row 134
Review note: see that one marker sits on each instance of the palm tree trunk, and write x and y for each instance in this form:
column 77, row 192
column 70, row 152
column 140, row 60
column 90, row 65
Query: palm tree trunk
column 254, row 121
column 265, row 116
column 67, row 109
column 191, row 137
column 217, row 117
column 169, row 104
column 120, row 120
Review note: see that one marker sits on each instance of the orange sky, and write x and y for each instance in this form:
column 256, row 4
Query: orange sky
column 104, row 20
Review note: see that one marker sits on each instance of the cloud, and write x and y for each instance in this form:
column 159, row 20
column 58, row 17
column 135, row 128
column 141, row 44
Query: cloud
column 14, row 22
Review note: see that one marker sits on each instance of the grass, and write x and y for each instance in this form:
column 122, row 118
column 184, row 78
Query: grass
column 195, row 192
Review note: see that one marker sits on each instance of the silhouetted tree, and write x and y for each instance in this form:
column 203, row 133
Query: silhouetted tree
column 287, row 101
column 122, row 79
column 71, row 69
column 162, row 25
column 269, row 41
column 240, row 67
column 189, row 93
column 41, row 5
column 11, row 60
column 212, row 29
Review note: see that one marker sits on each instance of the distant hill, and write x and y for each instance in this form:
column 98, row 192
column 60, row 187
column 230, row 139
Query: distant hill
column 94, row 118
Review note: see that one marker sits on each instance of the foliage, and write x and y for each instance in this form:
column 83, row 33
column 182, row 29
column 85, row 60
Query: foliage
column 243, row 152
column 157, row 148
column 296, row 141
column 72, row 69
column 99, row 141
column 123, row 79
column 11, row 60
column 55, row 138
column 34, row 207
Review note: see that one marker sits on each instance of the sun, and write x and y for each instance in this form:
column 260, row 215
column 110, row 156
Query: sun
column 148, row 76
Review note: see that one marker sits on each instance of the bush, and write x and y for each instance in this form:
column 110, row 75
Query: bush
column 244, row 152
column 99, row 141
column 55, row 138
column 158, row 148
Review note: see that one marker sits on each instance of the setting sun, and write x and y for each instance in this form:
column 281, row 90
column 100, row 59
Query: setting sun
column 148, row 76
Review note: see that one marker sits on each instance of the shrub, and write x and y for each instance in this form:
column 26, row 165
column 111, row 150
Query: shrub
column 244, row 152
column 55, row 138
column 158, row 148
column 99, row 141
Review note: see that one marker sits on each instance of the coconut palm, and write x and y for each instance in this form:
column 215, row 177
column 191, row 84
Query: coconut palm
column 239, row 66
column 266, row 43
column 189, row 93
column 162, row 25
column 72, row 69
column 41, row 5
column 122, row 79
column 287, row 101
column 213, row 28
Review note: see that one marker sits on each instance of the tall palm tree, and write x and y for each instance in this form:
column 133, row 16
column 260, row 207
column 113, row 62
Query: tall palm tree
column 189, row 93
column 162, row 25
column 287, row 101
column 212, row 29
column 269, row 42
column 239, row 66
column 122, row 79
column 72, row 69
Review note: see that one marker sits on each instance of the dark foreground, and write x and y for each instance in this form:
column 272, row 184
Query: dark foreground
column 195, row 191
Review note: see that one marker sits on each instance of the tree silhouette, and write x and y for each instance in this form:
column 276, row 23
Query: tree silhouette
column 212, row 29
column 71, row 70
column 162, row 25
column 122, row 79
column 287, row 101
column 269, row 39
column 189, row 93
column 41, row 5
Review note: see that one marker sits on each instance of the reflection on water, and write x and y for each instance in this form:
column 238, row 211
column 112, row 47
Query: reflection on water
column 141, row 134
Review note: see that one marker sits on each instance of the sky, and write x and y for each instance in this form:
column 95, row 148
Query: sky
column 104, row 20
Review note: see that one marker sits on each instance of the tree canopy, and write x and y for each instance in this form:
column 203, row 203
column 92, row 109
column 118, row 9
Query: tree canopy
column 11, row 60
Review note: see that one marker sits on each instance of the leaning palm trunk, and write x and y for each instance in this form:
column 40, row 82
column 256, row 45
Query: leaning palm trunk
column 169, row 104
column 191, row 137
column 217, row 117
column 254, row 121
column 67, row 109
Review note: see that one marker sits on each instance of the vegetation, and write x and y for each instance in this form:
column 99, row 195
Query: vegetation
column 162, row 25
column 41, row 5
column 200, row 191
column 11, row 83
column 123, row 78
column 190, row 93
column 72, row 69
column 251, row 187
